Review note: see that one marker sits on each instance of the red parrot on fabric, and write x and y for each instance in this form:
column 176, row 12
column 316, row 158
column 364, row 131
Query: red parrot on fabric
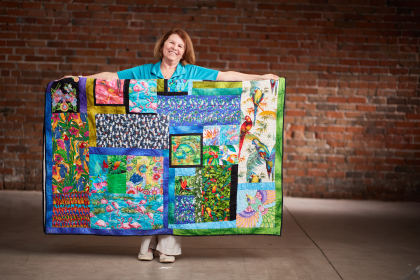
column 184, row 185
column 214, row 156
column 245, row 128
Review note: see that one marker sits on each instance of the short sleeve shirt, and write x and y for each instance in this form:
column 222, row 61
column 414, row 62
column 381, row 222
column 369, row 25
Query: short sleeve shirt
column 152, row 71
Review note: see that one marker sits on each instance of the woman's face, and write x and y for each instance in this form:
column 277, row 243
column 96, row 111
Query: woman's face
column 173, row 49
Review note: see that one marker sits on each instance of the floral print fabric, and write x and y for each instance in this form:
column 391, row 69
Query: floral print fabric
column 70, row 170
column 64, row 96
column 109, row 92
column 144, row 175
column 256, row 208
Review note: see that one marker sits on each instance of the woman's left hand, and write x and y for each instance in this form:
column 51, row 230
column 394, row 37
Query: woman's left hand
column 270, row 77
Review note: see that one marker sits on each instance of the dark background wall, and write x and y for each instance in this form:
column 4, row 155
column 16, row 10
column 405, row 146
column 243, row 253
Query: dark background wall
column 352, row 126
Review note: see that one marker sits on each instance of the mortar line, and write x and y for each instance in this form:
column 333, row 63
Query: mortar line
column 314, row 242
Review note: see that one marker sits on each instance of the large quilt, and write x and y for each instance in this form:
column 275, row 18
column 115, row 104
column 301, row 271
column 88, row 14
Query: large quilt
column 146, row 157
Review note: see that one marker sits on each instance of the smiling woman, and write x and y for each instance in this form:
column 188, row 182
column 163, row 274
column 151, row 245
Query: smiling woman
column 176, row 56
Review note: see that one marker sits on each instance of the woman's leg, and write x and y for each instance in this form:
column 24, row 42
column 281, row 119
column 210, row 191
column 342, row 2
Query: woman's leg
column 147, row 244
column 169, row 245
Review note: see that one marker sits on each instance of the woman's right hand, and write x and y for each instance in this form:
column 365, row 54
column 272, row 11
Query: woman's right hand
column 75, row 78
column 270, row 77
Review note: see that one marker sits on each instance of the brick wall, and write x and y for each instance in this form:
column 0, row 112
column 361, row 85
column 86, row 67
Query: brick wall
column 352, row 126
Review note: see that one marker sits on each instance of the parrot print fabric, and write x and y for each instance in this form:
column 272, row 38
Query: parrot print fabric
column 257, row 138
column 150, row 157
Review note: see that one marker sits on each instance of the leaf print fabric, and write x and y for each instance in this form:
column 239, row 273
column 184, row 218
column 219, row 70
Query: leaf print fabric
column 184, row 209
column 179, row 85
column 70, row 170
column 186, row 150
column 215, row 194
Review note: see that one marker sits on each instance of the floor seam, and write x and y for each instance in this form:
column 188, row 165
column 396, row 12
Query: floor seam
column 314, row 242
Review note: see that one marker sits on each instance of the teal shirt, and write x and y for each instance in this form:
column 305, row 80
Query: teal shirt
column 152, row 71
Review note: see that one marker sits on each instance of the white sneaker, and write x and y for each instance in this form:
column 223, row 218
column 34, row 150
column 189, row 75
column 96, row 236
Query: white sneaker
column 166, row 259
column 146, row 257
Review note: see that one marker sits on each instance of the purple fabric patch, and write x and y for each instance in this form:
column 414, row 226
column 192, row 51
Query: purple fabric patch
column 82, row 95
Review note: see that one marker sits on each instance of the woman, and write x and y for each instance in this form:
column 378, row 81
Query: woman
column 176, row 61
column 176, row 53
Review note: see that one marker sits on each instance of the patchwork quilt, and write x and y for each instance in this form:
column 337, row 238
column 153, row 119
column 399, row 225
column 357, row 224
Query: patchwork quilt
column 147, row 157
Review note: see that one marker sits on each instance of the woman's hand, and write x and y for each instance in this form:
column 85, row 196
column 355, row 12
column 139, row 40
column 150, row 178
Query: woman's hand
column 75, row 78
column 238, row 76
column 270, row 77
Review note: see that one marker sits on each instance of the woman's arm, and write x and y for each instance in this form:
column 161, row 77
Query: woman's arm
column 238, row 76
column 102, row 76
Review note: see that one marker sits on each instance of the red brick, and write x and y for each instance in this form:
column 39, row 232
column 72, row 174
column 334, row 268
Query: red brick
column 351, row 102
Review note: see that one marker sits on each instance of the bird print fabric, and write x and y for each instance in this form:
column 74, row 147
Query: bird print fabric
column 257, row 149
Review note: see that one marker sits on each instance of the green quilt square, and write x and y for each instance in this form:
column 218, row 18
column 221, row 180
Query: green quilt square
column 186, row 150
column 117, row 183
column 211, row 155
column 214, row 202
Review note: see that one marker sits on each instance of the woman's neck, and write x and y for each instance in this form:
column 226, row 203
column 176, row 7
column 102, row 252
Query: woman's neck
column 168, row 68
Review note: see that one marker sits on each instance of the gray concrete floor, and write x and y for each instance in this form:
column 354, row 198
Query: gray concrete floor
column 322, row 239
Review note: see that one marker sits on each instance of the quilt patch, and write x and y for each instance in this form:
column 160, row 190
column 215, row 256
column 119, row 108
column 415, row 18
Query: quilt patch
column 70, row 210
column 130, row 130
column 142, row 96
column 65, row 96
column 181, row 157
column 70, row 169
column 109, row 92
column 185, row 150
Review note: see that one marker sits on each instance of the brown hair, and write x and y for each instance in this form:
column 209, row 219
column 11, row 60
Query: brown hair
column 189, row 55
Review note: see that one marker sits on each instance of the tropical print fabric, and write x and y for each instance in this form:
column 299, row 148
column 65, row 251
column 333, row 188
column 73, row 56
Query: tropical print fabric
column 146, row 157
column 70, row 157
column 142, row 96
column 64, row 95
column 109, row 92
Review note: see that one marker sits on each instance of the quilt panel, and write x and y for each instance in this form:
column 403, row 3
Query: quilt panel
column 148, row 157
